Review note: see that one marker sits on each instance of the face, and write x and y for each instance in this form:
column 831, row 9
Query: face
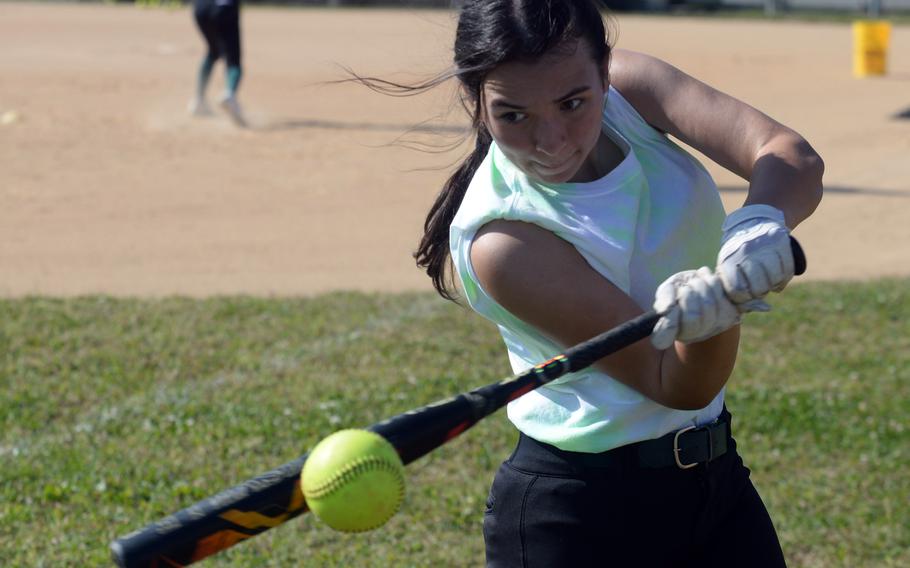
column 546, row 115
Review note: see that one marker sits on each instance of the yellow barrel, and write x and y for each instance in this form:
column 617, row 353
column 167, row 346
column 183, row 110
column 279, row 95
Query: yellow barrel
column 870, row 47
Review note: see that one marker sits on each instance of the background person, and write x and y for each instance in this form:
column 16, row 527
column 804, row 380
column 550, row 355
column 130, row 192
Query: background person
column 219, row 23
column 576, row 212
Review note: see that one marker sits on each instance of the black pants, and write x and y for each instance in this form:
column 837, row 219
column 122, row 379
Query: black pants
column 546, row 510
column 220, row 26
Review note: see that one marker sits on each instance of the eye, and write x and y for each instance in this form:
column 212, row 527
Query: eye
column 572, row 104
column 512, row 117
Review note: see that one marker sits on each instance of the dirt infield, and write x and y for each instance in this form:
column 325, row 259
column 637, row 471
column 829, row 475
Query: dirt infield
column 108, row 186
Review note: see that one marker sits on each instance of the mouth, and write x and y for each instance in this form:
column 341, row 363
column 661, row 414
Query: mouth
column 553, row 169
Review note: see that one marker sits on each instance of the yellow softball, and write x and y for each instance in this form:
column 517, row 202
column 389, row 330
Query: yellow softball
column 353, row 480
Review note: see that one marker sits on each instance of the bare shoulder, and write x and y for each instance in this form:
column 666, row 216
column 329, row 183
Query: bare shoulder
column 666, row 97
column 504, row 250
column 644, row 80
column 529, row 269
column 632, row 72
column 525, row 266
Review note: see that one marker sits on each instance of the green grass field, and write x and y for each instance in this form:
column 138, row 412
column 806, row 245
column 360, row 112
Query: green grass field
column 115, row 413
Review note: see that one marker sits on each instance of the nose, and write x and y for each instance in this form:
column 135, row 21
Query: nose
column 550, row 137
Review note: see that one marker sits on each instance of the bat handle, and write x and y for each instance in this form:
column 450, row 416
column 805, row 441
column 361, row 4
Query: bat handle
column 799, row 257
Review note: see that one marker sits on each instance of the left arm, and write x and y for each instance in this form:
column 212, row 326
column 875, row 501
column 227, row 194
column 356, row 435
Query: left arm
column 782, row 168
column 784, row 172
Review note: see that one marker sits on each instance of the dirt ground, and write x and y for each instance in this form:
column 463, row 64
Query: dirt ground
column 108, row 186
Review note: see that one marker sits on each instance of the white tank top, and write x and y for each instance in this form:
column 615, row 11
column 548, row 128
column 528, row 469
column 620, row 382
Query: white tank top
column 655, row 214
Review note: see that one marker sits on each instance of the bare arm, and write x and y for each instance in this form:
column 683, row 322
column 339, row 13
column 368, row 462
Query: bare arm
column 570, row 302
column 782, row 168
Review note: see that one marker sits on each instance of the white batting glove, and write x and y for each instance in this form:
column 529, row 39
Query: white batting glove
column 755, row 256
column 695, row 308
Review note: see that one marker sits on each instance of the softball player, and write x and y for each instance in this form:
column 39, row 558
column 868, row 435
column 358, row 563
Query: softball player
column 219, row 23
column 576, row 212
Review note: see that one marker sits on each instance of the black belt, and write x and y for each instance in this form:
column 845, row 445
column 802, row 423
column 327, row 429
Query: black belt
column 687, row 447
column 684, row 448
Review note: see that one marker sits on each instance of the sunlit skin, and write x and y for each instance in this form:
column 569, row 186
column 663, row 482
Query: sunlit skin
column 545, row 115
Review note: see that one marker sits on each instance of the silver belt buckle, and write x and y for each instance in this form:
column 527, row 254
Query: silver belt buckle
column 676, row 449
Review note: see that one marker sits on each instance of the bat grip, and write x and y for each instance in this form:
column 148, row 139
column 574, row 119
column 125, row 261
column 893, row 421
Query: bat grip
column 799, row 257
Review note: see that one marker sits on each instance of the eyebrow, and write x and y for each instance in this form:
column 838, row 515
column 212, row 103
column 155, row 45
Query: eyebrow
column 500, row 103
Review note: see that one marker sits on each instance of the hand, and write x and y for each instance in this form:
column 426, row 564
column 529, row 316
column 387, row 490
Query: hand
column 695, row 308
column 755, row 256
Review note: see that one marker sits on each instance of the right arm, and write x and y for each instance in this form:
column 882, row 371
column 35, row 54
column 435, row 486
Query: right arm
column 570, row 302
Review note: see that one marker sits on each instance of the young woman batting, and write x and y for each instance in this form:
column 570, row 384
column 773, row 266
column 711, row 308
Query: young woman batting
column 576, row 211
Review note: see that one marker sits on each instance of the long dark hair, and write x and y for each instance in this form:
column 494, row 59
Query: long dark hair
column 491, row 33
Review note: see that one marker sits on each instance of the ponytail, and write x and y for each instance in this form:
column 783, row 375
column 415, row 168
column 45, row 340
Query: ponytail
column 433, row 252
column 490, row 33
